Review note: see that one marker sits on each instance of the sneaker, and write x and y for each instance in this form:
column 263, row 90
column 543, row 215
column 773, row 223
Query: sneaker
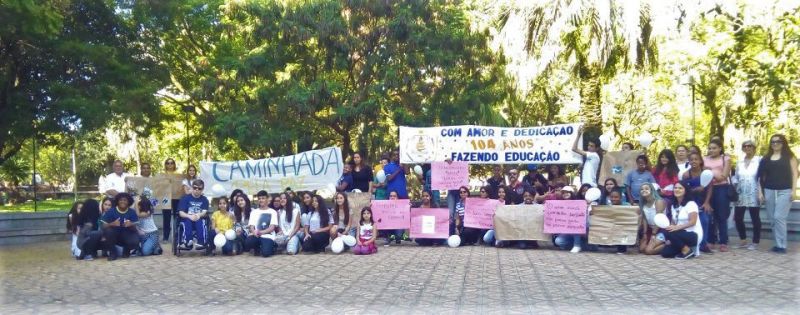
column 752, row 247
column 199, row 247
column 723, row 248
column 706, row 250
column 397, row 242
column 575, row 249
column 88, row 258
column 778, row 250
column 186, row 247
column 688, row 255
column 743, row 244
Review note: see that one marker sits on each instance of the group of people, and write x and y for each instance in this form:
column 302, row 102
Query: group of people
column 294, row 222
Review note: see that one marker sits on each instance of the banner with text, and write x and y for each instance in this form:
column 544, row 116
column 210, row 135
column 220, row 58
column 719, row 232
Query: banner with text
column 446, row 176
column 391, row 214
column 565, row 216
column 310, row 170
column 430, row 223
column 520, row 223
column 490, row 145
column 479, row 213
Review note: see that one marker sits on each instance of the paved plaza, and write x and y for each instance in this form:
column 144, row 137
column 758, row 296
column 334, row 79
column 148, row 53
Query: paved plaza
column 405, row 279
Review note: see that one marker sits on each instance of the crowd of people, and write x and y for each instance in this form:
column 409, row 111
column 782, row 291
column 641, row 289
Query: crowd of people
column 293, row 222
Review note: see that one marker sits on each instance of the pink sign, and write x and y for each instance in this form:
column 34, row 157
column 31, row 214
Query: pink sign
column 565, row 216
column 448, row 176
column 479, row 213
column 391, row 214
column 430, row 223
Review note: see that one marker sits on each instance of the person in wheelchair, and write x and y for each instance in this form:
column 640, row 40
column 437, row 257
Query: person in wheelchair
column 193, row 211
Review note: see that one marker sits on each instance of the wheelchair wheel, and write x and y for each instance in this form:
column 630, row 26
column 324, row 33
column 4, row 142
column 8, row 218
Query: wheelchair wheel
column 176, row 237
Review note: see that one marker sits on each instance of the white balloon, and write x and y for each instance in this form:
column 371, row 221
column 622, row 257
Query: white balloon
column 293, row 246
column 661, row 220
column 454, row 241
column 220, row 240
column 592, row 194
column 337, row 246
column 230, row 235
column 381, row 176
column 705, row 177
column 217, row 189
column 605, row 142
column 356, row 190
column 418, row 169
column 645, row 139
column 349, row 240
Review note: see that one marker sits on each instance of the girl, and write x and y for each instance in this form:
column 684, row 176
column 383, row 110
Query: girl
column 222, row 221
column 777, row 174
column 638, row 177
column 484, row 193
column 88, row 235
column 288, row 224
column 650, row 243
column 317, row 232
column 748, row 187
column 367, row 231
column 718, row 201
column 582, row 191
column 685, row 231
column 666, row 172
column 698, row 194
column 73, row 228
column 468, row 235
column 608, row 186
column 341, row 216
column 148, row 231
column 565, row 241
column 397, row 235
column 191, row 175
column 556, row 176
column 234, row 195
column 241, row 209
column 427, row 202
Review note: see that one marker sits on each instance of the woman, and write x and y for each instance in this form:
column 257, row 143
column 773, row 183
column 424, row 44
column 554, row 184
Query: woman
column 288, row 225
column 148, row 231
column 341, row 217
column 650, row 205
column 468, row 235
column 682, row 159
column 556, row 176
column 396, row 235
column 718, row 200
column 582, row 191
column 234, row 195
column 317, row 232
column 698, row 194
column 119, row 227
column 427, row 202
column 685, row 230
column 777, row 174
column 610, row 185
column 484, row 192
column 191, row 175
column 166, row 214
column 666, row 172
column 89, row 235
column 746, row 179
column 362, row 173
column 241, row 209
column 502, row 196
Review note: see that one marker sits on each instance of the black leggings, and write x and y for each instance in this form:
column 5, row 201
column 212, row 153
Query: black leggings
column 127, row 238
column 677, row 240
column 166, row 217
column 738, row 217
column 317, row 242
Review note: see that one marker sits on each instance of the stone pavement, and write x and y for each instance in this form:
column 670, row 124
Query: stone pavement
column 405, row 279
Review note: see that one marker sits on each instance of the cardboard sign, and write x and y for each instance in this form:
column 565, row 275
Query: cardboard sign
column 391, row 214
column 479, row 213
column 617, row 165
column 155, row 188
column 613, row 225
column 175, row 182
column 565, row 216
column 430, row 223
column 520, row 223
column 357, row 201
column 447, row 176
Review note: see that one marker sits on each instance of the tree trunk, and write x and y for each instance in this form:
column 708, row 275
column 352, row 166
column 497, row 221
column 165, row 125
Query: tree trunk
column 591, row 109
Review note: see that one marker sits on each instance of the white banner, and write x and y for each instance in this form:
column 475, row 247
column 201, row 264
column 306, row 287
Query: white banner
column 311, row 170
column 490, row 145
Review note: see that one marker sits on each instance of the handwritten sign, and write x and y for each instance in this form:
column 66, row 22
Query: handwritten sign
column 430, row 223
column 157, row 189
column 520, row 223
column 613, row 225
column 392, row 214
column 446, row 176
column 565, row 216
column 357, row 201
column 175, row 182
column 479, row 213
column 617, row 165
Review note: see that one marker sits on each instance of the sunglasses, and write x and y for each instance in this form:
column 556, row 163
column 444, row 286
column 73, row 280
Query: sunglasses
column 197, row 188
column 776, row 142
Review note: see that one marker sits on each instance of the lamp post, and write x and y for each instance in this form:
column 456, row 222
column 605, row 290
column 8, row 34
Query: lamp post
column 186, row 110
column 688, row 79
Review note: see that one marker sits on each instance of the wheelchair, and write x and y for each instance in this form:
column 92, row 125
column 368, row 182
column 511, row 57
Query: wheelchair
column 177, row 236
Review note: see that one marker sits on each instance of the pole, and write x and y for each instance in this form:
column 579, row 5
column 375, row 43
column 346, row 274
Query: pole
column 74, row 176
column 188, row 156
column 35, row 201
column 693, row 124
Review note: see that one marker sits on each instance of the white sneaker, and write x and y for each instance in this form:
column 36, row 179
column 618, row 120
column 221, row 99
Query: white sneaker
column 575, row 249
column 752, row 247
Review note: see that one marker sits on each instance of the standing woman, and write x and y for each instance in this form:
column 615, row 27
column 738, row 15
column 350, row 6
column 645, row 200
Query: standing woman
column 698, row 193
column 685, row 230
column 777, row 174
column 666, row 172
column 749, row 195
column 166, row 214
column 718, row 200
column 682, row 159
column 317, row 232
column 556, row 176
column 362, row 173
column 191, row 175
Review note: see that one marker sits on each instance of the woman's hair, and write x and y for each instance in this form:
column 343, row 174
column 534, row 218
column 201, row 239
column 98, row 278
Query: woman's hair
column 686, row 195
column 239, row 212
column 234, row 193
column 671, row 167
column 700, row 157
column 361, row 219
column 336, row 208
column 654, row 195
column 561, row 171
column 434, row 203
column 72, row 217
column 304, row 208
column 363, row 161
column 322, row 211
column 289, row 206
column 613, row 180
column 718, row 143
column 120, row 196
column 785, row 151
column 144, row 205
column 582, row 192
column 226, row 201
column 90, row 212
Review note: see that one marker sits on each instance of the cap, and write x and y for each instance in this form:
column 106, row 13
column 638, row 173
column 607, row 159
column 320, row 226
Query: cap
column 568, row 188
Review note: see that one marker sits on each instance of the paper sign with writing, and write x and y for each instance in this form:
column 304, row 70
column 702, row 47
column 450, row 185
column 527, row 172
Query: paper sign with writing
column 175, row 182
column 520, row 223
column 613, row 225
column 391, row 214
column 447, row 176
column 357, row 201
column 479, row 213
column 565, row 216
column 430, row 223
column 155, row 188
column 617, row 165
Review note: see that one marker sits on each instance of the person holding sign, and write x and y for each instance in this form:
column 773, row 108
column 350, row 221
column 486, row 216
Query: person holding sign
column 468, row 235
column 574, row 241
column 317, row 232
column 427, row 202
column 166, row 214
column 652, row 241
column 262, row 225
column 684, row 232
column 395, row 176
column 367, row 232
column 119, row 227
column 396, row 235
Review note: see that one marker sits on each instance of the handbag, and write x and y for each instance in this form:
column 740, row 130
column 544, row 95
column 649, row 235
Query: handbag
column 733, row 194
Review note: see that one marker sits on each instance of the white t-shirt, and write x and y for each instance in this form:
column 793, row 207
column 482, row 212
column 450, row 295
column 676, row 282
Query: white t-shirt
column 682, row 168
column 649, row 214
column 680, row 215
column 590, row 167
column 286, row 226
column 268, row 215
column 313, row 221
column 115, row 182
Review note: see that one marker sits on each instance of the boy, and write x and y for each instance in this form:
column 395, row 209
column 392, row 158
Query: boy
column 191, row 209
column 262, row 225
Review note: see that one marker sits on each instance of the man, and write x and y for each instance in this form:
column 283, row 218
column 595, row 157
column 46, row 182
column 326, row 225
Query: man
column 262, row 225
column 517, row 186
column 395, row 176
column 495, row 181
column 144, row 170
column 378, row 187
column 114, row 183
column 191, row 209
column 591, row 163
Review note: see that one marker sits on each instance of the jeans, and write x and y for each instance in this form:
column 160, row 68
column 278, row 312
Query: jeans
column 317, row 242
column 738, row 217
column 227, row 249
column 149, row 243
column 722, row 210
column 283, row 241
column 567, row 241
column 705, row 222
column 264, row 245
column 76, row 252
column 778, row 203
column 194, row 227
column 452, row 200
column 677, row 240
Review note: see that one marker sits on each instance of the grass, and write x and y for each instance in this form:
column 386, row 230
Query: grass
column 44, row 205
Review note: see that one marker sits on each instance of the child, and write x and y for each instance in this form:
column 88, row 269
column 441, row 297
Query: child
column 72, row 227
column 148, row 231
column 637, row 178
column 367, row 231
column 221, row 221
